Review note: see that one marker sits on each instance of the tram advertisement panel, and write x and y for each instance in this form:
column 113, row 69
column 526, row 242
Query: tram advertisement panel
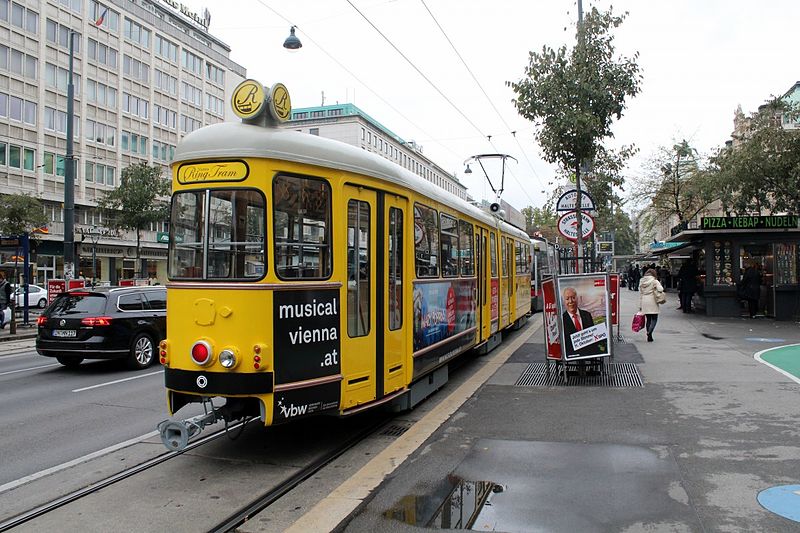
column 552, row 335
column 494, row 303
column 306, row 334
column 442, row 309
column 584, row 315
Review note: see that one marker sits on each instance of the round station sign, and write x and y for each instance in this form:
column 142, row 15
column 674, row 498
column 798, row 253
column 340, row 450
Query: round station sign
column 568, row 225
column 569, row 200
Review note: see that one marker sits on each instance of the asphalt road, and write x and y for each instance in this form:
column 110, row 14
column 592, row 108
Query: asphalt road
column 51, row 415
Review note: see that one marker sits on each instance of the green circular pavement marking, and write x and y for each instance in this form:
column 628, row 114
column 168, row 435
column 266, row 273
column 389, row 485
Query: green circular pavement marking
column 787, row 358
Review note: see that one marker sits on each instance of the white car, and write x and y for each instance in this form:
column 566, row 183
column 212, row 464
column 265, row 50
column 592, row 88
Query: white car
column 37, row 296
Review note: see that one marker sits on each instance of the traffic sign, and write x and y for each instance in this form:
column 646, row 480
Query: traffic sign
column 568, row 201
column 568, row 225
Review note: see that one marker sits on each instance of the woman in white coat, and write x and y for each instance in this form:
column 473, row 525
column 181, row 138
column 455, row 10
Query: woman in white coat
column 650, row 292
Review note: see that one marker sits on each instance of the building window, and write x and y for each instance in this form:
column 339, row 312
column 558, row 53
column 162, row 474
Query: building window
column 166, row 49
column 110, row 20
column 314, row 131
column 103, row 54
column 191, row 62
column 58, row 35
column 136, row 33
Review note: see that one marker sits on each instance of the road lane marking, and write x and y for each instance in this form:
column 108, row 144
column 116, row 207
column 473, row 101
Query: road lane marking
column 117, row 381
column 758, row 357
column 63, row 466
column 26, row 369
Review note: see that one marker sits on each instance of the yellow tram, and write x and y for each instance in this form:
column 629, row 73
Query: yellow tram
column 307, row 276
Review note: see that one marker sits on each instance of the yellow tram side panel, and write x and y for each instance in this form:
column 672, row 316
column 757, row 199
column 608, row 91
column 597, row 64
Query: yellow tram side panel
column 225, row 319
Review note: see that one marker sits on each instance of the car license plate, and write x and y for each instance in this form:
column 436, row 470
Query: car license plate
column 64, row 333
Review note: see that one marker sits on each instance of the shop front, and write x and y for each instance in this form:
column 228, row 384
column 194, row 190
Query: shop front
column 724, row 247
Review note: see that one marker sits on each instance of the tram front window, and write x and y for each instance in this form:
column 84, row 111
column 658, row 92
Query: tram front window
column 218, row 234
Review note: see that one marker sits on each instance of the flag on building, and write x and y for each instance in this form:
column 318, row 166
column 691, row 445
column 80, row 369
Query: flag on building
column 101, row 18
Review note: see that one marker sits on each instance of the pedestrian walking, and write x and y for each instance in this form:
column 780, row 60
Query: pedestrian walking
column 5, row 299
column 749, row 288
column 637, row 275
column 651, row 296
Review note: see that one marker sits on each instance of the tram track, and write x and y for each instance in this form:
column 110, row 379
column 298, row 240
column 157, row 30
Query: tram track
column 73, row 496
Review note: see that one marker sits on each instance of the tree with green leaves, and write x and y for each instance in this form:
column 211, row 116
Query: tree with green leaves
column 140, row 200
column 20, row 214
column 760, row 172
column 673, row 186
column 574, row 95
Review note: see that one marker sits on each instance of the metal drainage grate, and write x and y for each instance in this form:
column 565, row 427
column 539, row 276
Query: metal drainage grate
column 395, row 430
column 620, row 375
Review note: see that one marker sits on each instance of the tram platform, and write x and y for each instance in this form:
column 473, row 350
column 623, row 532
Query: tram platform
column 693, row 445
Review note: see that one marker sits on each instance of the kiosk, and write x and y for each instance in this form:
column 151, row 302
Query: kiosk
column 723, row 247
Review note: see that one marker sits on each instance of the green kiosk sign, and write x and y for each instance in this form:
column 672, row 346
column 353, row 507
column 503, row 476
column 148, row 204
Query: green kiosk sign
column 753, row 222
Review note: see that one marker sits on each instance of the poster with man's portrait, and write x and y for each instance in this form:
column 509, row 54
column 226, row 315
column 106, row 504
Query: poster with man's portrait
column 585, row 316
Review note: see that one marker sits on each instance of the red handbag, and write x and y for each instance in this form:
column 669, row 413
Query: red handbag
column 638, row 322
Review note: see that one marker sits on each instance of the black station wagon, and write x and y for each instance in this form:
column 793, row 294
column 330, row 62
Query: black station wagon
column 104, row 323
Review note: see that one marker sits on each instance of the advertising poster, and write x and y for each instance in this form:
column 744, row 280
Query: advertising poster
column 442, row 309
column 306, row 334
column 614, row 295
column 552, row 334
column 585, row 316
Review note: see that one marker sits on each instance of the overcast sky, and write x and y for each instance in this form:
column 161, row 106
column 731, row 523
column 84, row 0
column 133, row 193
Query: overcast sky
column 700, row 59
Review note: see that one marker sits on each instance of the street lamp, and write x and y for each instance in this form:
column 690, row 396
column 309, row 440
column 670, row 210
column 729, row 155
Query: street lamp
column 292, row 42
column 69, row 173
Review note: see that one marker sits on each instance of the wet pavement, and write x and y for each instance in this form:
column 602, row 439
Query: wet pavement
column 690, row 449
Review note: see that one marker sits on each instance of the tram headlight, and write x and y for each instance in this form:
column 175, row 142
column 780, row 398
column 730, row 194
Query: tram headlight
column 227, row 358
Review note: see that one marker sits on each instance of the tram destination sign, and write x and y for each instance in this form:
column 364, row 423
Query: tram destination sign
column 750, row 222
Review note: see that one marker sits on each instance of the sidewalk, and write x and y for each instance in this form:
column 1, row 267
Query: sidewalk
column 23, row 331
column 690, row 450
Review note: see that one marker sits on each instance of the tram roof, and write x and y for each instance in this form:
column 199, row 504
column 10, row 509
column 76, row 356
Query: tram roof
column 229, row 140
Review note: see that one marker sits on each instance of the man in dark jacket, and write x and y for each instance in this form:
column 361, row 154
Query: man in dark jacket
column 5, row 298
column 749, row 288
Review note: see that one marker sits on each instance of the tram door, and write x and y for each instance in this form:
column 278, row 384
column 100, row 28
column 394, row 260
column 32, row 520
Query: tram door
column 373, row 341
column 484, row 318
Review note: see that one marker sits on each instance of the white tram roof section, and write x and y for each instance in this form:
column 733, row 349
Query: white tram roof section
column 231, row 140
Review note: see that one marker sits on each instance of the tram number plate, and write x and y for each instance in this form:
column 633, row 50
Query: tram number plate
column 64, row 333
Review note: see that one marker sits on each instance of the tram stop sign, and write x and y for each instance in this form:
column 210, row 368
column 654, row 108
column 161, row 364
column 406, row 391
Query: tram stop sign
column 568, row 225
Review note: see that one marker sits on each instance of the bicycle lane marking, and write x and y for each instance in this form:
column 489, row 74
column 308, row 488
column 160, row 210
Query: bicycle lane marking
column 785, row 359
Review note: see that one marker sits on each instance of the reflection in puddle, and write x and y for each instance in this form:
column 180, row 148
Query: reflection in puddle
column 457, row 504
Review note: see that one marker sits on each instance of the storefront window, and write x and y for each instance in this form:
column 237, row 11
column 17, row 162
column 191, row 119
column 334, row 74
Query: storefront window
column 722, row 273
column 785, row 264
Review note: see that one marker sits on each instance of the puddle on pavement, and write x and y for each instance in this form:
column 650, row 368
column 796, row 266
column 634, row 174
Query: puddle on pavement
column 455, row 504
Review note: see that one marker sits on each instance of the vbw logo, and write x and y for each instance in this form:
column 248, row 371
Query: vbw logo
column 291, row 410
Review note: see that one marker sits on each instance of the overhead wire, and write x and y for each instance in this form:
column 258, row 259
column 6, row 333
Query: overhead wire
column 485, row 94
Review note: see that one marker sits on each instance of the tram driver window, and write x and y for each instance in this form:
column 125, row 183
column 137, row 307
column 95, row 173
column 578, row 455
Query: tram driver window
column 186, row 235
column 236, row 234
column 302, row 227
column 426, row 239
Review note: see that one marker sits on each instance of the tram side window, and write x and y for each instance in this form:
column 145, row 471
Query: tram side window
column 449, row 240
column 465, row 249
column 519, row 257
column 236, row 232
column 302, row 226
column 503, row 257
column 426, row 236
column 395, row 268
column 493, row 253
column 187, row 225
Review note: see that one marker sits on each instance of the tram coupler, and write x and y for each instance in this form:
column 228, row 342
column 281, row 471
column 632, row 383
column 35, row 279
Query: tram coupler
column 175, row 434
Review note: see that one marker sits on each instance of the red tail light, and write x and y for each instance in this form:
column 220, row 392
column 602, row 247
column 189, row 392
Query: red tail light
column 41, row 320
column 201, row 353
column 95, row 321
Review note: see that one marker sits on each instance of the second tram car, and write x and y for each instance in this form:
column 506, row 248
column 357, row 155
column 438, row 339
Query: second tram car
column 543, row 265
column 307, row 276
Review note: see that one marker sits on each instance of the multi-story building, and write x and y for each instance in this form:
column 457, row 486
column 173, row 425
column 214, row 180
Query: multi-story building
column 146, row 72
column 349, row 124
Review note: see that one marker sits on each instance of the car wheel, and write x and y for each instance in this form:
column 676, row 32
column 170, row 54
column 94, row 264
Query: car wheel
column 41, row 303
column 70, row 362
column 143, row 351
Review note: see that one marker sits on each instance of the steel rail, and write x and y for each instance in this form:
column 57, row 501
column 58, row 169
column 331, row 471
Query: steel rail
column 272, row 495
column 94, row 487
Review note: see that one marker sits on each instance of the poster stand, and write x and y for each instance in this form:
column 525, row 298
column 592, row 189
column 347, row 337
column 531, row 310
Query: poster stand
column 580, row 311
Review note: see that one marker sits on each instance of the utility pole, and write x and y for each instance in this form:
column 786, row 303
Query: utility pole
column 579, row 254
column 69, row 174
